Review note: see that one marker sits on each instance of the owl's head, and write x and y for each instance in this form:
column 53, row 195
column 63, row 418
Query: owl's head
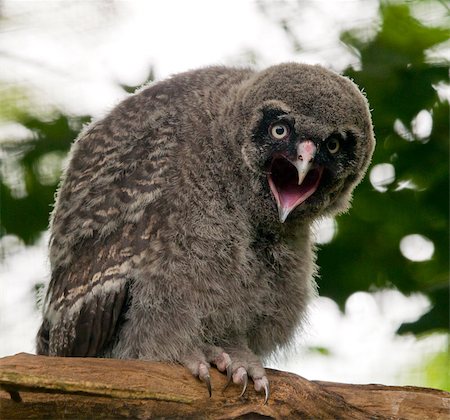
column 309, row 138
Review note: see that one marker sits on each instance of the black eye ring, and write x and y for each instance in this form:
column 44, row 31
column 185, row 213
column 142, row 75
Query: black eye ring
column 333, row 145
column 279, row 130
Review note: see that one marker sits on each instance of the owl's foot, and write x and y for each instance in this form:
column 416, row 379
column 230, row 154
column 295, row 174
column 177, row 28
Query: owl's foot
column 199, row 363
column 242, row 370
column 240, row 366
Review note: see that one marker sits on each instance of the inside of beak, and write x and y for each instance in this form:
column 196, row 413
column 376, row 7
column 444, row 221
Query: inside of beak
column 292, row 183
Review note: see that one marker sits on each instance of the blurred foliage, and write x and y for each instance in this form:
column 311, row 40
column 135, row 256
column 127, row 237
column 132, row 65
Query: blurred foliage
column 35, row 163
column 323, row 351
column 432, row 372
column 438, row 364
column 400, row 80
column 31, row 165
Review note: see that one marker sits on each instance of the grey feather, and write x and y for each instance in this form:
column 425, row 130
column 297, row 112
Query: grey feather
column 165, row 238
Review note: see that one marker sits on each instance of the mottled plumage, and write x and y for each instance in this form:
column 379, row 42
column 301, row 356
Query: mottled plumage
column 180, row 231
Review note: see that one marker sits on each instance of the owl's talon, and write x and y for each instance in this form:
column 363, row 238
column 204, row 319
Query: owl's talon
column 229, row 379
column 229, row 375
column 245, row 380
column 262, row 384
column 266, row 392
column 203, row 375
column 207, row 380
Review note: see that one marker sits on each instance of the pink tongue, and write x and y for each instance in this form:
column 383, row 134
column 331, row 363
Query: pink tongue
column 291, row 195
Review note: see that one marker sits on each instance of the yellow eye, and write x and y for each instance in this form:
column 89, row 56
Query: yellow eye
column 279, row 131
column 333, row 145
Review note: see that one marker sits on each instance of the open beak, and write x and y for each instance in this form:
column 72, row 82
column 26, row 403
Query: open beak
column 292, row 181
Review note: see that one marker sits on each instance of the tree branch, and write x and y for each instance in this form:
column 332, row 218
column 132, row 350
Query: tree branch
column 54, row 387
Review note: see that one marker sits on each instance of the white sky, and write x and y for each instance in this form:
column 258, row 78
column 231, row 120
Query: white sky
column 71, row 54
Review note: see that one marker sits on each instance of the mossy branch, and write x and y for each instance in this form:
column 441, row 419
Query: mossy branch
column 54, row 387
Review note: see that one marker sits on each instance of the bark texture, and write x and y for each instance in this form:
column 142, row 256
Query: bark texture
column 53, row 387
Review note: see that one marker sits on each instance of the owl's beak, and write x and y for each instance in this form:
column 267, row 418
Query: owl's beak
column 293, row 180
column 306, row 151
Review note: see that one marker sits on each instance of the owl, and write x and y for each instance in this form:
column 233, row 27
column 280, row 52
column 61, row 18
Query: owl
column 182, row 227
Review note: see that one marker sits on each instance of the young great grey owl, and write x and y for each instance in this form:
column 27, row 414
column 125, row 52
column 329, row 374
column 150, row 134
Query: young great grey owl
column 181, row 231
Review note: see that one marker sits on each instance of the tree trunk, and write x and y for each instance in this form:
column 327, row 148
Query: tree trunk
column 55, row 387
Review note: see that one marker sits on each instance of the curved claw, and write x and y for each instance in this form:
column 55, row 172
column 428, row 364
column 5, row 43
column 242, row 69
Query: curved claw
column 229, row 377
column 245, row 378
column 207, row 380
column 229, row 373
column 227, row 384
column 266, row 392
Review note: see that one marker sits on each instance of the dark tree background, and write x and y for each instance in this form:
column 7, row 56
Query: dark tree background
column 400, row 82
column 401, row 77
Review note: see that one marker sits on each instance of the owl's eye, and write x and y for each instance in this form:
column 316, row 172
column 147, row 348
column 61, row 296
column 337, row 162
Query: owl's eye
column 333, row 145
column 279, row 131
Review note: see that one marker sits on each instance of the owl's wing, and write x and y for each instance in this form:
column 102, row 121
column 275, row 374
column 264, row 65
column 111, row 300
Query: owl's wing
column 88, row 293
column 100, row 227
column 87, row 299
